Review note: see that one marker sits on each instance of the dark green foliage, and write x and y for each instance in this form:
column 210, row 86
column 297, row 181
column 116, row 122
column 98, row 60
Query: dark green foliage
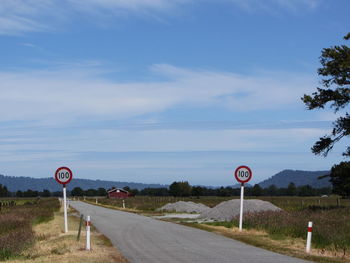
column 45, row 193
column 197, row 191
column 19, row 193
column 340, row 178
column 30, row 193
column 3, row 191
column 257, row 190
column 335, row 71
column 291, row 189
column 180, row 189
column 155, row 191
column 77, row 191
column 272, row 190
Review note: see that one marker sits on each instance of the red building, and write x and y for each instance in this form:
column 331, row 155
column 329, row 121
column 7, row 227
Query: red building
column 118, row 193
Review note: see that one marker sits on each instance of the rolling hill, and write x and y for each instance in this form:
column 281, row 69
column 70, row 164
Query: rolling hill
column 38, row 184
column 298, row 177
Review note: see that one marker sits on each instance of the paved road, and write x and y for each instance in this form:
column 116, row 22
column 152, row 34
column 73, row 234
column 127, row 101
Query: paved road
column 145, row 240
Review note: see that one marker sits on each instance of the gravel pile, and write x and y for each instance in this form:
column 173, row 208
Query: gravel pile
column 226, row 211
column 186, row 207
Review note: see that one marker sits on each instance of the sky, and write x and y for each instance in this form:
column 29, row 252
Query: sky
column 156, row 91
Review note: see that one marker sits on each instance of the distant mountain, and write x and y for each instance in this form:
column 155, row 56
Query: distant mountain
column 38, row 184
column 299, row 178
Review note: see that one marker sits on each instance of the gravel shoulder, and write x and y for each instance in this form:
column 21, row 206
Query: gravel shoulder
column 143, row 239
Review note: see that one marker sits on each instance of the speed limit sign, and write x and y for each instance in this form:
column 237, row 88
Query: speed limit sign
column 243, row 174
column 63, row 175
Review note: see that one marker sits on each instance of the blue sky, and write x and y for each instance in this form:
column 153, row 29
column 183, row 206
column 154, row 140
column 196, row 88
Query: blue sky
column 155, row 91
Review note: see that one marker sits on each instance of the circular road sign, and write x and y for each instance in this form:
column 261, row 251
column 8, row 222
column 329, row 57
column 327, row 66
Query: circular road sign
column 243, row 174
column 63, row 175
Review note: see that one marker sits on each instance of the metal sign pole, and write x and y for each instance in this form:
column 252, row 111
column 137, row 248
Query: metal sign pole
column 241, row 209
column 65, row 209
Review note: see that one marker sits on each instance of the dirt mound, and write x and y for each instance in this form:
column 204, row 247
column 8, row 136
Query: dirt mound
column 186, row 207
column 226, row 211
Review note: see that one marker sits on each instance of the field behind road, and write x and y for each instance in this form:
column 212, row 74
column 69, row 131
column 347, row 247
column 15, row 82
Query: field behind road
column 288, row 203
column 143, row 239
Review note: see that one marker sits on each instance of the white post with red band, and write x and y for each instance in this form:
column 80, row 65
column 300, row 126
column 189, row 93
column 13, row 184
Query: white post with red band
column 308, row 239
column 88, row 224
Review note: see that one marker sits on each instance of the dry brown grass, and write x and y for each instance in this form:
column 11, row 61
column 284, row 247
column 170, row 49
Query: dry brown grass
column 294, row 247
column 52, row 245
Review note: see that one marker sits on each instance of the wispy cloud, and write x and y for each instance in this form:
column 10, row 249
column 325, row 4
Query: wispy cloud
column 21, row 16
column 274, row 5
column 70, row 94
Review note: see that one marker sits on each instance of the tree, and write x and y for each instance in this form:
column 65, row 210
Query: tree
column 180, row 189
column 272, row 190
column 77, row 191
column 335, row 71
column 197, row 191
column 3, row 191
column 340, row 178
column 291, row 189
column 101, row 192
column 45, row 193
column 257, row 190
column 306, row 190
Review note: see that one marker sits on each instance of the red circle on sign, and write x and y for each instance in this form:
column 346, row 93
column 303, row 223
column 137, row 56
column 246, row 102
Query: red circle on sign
column 67, row 170
column 245, row 176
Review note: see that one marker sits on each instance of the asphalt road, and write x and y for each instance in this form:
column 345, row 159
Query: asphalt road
column 146, row 240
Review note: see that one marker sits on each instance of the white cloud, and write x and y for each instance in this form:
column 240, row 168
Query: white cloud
column 71, row 94
column 273, row 5
column 21, row 16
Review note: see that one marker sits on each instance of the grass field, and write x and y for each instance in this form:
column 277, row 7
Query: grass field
column 17, row 221
column 149, row 204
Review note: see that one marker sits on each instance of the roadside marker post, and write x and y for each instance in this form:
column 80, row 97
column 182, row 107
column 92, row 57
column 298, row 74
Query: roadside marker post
column 242, row 174
column 64, row 175
column 123, row 204
column 308, row 239
column 88, row 224
column 80, row 224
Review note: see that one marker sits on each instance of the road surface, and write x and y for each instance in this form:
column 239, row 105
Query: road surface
column 146, row 240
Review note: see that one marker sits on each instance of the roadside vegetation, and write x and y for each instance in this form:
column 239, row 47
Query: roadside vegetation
column 17, row 221
column 52, row 245
column 331, row 231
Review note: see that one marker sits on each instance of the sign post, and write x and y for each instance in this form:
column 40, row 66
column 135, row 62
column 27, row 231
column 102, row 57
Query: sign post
column 242, row 174
column 64, row 175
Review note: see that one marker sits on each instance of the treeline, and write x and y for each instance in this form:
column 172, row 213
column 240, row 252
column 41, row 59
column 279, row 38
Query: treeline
column 182, row 189
column 185, row 189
